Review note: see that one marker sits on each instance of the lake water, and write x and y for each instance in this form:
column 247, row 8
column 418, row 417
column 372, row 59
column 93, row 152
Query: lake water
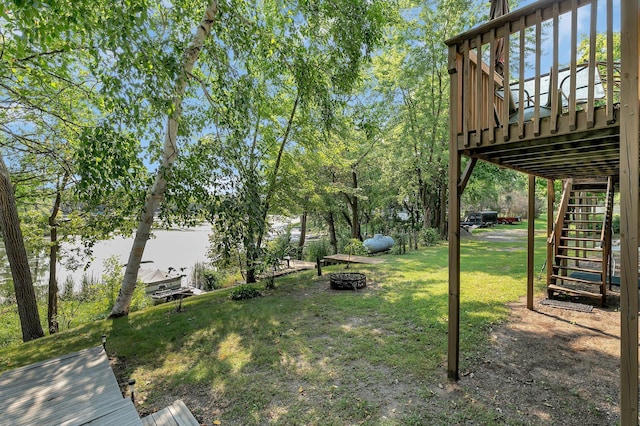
column 177, row 248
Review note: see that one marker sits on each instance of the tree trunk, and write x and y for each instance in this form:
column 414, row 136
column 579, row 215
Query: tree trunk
column 303, row 230
column 252, row 259
column 18, row 260
column 156, row 192
column 333, row 240
column 443, row 211
column 52, row 305
column 255, row 225
column 355, row 222
column 276, row 170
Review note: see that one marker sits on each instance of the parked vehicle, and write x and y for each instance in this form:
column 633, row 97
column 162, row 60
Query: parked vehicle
column 508, row 220
column 480, row 219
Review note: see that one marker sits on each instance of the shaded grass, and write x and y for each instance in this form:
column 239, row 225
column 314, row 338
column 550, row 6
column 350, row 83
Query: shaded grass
column 304, row 354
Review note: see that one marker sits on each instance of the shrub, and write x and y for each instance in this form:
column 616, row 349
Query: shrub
column 354, row 247
column 243, row 292
column 207, row 278
column 112, row 278
column 429, row 236
column 276, row 250
column 317, row 250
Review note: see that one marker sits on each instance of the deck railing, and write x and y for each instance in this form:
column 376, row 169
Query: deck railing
column 560, row 61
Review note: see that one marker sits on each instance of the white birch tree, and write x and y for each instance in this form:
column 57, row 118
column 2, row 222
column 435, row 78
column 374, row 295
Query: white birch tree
column 156, row 193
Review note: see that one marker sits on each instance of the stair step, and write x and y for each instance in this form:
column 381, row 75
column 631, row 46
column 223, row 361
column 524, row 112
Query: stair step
column 574, row 291
column 577, row 269
column 581, row 230
column 576, row 280
column 588, row 240
column 589, row 188
column 576, row 248
column 581, row 221
column 582, row 259
column 587, row 201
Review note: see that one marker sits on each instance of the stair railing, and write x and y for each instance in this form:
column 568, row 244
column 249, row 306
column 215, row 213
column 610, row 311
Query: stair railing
column 554, row 238
column 605, row 236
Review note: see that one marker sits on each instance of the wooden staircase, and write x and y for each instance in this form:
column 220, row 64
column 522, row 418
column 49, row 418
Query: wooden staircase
column 581, row 240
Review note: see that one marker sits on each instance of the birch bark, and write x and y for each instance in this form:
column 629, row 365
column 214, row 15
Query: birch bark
column 155, row 195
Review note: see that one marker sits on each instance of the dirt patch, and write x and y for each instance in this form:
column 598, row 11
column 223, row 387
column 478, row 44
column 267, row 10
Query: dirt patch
column 551, row 366
column 501, row 234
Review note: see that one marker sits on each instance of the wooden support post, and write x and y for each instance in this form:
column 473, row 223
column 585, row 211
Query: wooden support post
column 531, row 219
column 454, row 266
column 453, row 348
column 629, row 188
column 551, row 201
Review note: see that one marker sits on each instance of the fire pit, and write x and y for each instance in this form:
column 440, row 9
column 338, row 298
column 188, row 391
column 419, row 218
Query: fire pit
column 348, row 281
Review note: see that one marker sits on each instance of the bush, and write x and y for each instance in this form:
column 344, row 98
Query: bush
column 354, row 247
column 276, row 250
column 244, row 292
column 207, row 278
column 429, row 236
column 400, row 243
column 317, row 250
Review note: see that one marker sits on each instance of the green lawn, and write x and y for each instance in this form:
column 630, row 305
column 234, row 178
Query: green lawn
column 303, row 354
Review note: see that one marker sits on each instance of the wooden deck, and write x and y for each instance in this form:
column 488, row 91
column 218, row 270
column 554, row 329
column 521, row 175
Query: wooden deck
column 511, row 105
column 174, row 415
column 75, row 389
column 345, row 258
column 286, row 269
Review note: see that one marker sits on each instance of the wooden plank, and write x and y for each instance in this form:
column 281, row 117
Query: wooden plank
column 574, row 291
column 514, row 16
column 345, row 258
column 521, row 98
column 76, row 388
column 592, row 64
column 464, row 179
column 31, row 392
column 466, row 94
column 453, row 337
column 629, row 210
column 536, row 104
column 478, row 104
column 492, row 87
column 122, row 413
column 572, row 66
column 164, row 418
column 507, row 75
column 531, row 240
column 550, row 233
column 601, row 128
column 610, row 76
column 453, row 347
column 149, row 420
column 182, row 415
column 555, row 102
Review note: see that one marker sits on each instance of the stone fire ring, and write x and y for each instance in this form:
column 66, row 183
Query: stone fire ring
column 348, row 281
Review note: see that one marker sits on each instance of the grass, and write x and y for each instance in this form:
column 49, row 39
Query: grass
column 302, row 354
